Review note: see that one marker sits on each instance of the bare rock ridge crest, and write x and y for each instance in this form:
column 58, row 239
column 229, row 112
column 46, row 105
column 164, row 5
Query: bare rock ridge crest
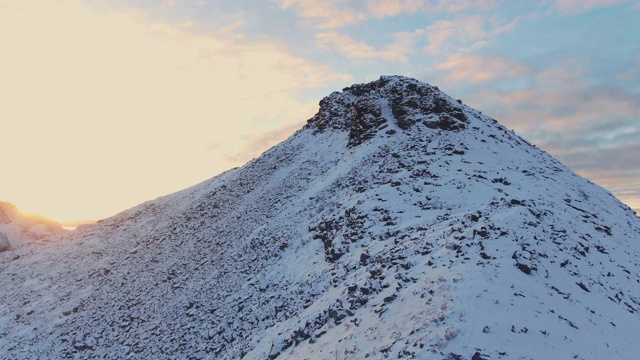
column 359, row 108
column 397, row 223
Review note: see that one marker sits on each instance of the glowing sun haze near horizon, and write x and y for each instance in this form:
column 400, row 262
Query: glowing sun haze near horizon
column 103, row 110
column 107, row 104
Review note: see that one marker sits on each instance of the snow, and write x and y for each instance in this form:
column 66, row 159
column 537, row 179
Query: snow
column 17, row 229
column 413, row 227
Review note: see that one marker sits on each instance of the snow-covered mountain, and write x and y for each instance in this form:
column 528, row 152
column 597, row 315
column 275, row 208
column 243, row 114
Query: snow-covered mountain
column 398, row 223
column 17, row 229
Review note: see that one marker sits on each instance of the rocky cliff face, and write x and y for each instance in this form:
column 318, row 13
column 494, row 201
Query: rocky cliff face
column 364, row 109
column 398, row 223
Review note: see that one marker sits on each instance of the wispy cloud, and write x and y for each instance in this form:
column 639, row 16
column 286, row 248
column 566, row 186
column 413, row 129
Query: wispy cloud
column 329, row 14
column 558, row 104
column 453, row 6
column 355, row 50
column 465, row 33
column 169, row 3
column 579, row 6
column 476, row 68
column 386, row 8
column 334, row 14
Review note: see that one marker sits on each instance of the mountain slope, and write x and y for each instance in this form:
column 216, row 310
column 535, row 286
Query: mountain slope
column 17, row 229
column 398, row 223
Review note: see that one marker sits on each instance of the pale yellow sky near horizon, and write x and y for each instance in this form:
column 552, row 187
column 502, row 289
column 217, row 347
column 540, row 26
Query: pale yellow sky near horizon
column 103, row 107
column 92, row 99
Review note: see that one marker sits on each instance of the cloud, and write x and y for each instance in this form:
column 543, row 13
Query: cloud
column 334, row 14
column 617, row 167
column 443, row 39
column 573, row 111
column 128, row 104
column 387, row 8
column 603, row 150
column 169, row 3
column 354, row 49
column 559, row 108
column 448, row 37
column 475, row 68
column 452, row 6
column 579, row 6
column 329, row 14
column 593, row 130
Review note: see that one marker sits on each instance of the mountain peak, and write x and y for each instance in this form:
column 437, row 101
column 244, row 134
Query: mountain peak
column 389, row 103
column 399, row 223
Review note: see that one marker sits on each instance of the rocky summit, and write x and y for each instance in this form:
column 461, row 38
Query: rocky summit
column 397, row 223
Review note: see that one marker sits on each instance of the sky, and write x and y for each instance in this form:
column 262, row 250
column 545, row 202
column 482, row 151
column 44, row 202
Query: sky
column 107, row 104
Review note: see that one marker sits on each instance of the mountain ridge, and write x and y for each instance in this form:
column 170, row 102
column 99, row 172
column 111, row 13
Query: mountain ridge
column 18, row 229
column 397, row 223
